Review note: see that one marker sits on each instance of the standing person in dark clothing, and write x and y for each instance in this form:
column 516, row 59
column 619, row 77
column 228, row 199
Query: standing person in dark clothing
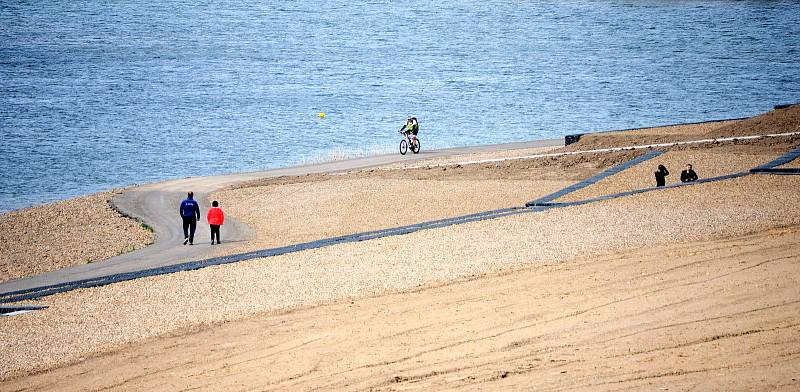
column 688, row 175
column 190, row 213
column 215, row 219
column 661, row 175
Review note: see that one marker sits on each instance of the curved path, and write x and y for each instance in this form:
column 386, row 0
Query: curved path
column 157, row 205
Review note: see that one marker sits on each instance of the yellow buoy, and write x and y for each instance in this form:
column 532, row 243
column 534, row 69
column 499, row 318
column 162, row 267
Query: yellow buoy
column 321, row 115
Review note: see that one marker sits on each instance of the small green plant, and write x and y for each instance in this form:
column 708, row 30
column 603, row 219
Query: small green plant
column 129, row 248
column 89, row 261
column 147, row 227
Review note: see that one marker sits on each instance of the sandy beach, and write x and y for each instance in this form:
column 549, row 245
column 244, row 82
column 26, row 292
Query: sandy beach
column 691, row 287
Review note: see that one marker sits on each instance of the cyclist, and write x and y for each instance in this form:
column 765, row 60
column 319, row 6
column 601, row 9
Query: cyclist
column 411, row 128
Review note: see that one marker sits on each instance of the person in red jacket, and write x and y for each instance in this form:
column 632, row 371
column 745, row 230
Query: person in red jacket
column 215, row 219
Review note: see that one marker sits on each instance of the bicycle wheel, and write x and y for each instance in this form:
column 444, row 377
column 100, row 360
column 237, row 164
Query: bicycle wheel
column 403, row 147
column 415, row 146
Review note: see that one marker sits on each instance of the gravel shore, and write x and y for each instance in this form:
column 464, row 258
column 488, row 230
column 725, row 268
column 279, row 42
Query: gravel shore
column 706, row 163
column 338, row 207
column 85, row 322
column 62, row 234
column 378, row 199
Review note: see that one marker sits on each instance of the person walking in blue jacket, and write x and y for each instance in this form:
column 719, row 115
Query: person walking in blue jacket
column 190, row 213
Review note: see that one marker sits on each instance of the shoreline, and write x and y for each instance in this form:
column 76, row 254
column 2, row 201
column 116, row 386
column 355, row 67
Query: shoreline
column 151, row 204
column 466, row 149
column 540, row 205
column 309, row 167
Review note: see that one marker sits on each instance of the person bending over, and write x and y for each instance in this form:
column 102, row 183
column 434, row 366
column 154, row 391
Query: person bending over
column 688, row 175
column 661, row 175
column 190, row 213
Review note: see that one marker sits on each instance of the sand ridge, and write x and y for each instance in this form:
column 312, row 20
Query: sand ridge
column 720, row 315
column 776, row 121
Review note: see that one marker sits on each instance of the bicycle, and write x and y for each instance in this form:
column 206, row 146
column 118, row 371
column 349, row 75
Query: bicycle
column 407, row 140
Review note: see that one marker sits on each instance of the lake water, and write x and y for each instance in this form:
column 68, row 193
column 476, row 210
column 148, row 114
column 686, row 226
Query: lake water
column 95, row 95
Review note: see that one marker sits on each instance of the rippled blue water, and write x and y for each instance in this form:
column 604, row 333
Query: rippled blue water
column 96, row 95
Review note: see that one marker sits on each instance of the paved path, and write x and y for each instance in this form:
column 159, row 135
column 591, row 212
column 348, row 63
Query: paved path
column 157, row 204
